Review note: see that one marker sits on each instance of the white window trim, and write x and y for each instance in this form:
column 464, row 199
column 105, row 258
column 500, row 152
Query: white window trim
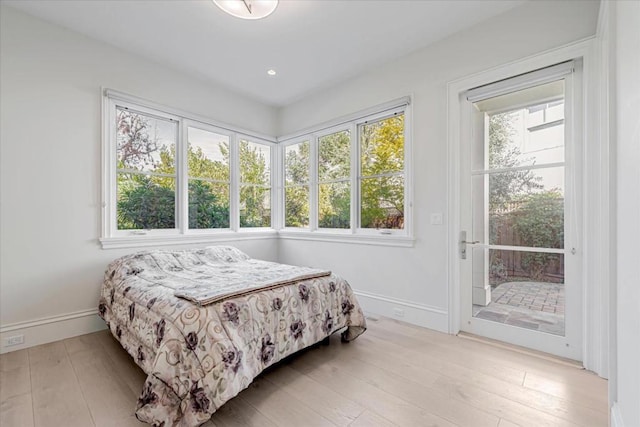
column 111, row 237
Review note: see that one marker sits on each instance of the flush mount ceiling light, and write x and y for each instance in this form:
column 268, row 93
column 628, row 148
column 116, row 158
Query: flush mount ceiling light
column 248, row 9
column 271, row 72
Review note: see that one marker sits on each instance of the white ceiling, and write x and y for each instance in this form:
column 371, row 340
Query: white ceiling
column 311, row 44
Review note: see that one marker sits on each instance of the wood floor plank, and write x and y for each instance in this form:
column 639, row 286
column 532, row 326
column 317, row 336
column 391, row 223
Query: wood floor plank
column 369, row 419
column 589, row 397
column 17, row 411
column 457, row 381
column 14, row 382
column 57, row 399
column 386, row 404
column 490, row 367
column 507, row 423
column 125, row 367
column 510, row 359
column 14, row 359
column 423, row 396
column 281, row 407
column 336, row 408
column 238, row 413
column 110, row 400
column 552, row 405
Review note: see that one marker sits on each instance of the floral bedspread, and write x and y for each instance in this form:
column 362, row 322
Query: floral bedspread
column 199, row 357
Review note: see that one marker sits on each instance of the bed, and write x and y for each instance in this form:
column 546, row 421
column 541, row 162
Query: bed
column 202, row 324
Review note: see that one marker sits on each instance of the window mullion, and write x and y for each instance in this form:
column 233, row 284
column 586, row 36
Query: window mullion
column 313, row 182
column 182, row 177
column 355, row 171
column 234, row 176
column 277, row 187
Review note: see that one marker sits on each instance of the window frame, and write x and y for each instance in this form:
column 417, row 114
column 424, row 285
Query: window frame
column 184, row 174
column 315, row 178
column 273, row 165
column 354, row 234
column 112, row 237
column 282, row 184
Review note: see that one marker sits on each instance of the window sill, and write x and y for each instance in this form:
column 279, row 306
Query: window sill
column 340, row 237
column 185, row 239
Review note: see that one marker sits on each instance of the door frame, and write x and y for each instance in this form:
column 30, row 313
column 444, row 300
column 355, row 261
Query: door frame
column 595, row 177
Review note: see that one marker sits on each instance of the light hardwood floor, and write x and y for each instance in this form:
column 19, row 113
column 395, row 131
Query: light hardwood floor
column 393, row 375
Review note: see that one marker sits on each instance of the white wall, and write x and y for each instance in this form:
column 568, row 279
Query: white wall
column 625, row 35
column 416, row 278
column 50, row 121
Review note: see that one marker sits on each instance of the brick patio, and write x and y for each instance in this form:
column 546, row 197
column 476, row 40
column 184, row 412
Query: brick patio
column 532, row 305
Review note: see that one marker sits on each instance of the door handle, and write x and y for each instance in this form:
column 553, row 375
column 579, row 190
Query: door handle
column 462, row 244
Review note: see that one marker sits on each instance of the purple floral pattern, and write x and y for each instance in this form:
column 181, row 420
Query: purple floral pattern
column 297, row 328
column 303, row 291
column 232, row 359
column 231, row 312
column 267, row 350
column 197, row 358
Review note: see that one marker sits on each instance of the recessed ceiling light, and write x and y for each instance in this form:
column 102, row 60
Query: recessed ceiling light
column 271, row 72
column 247, row 9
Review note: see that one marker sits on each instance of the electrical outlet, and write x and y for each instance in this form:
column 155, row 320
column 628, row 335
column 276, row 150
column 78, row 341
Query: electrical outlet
column 14, row 340
column 398, row 312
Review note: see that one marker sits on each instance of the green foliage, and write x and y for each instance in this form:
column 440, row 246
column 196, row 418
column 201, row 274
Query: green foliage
column 205, row 209
column 144, row 204
column 382, row 152
column 297, row 185
column 508, row 186
column 297, row 206
column 148, row 202
column 334, row 205
column 540, row 223
column 334, row 163
column 255, row 208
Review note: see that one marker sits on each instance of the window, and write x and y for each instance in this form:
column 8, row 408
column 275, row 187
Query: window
column 381, row 177
column 350, row 178
column 255, row 184
column 168, row 176
column 334, row 180
column 171, row 177
column 209, row 178
column 146, row 170
column 296, row 184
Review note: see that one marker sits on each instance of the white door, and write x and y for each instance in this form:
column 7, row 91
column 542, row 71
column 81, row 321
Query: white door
column 520, row 183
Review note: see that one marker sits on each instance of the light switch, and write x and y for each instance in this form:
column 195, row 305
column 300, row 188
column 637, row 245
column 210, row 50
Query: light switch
column 436, row 219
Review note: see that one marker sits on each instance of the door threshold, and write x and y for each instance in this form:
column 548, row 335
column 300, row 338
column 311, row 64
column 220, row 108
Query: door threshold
column 524, row 350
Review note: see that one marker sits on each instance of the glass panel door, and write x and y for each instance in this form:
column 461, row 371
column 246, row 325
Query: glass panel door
column 516, row 276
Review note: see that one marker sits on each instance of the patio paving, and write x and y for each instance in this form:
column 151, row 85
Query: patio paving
column 532, row 305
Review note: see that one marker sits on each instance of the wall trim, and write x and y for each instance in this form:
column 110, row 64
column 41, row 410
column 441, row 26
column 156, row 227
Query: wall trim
column 427, row 316
column 52, row 328
column 616, row 416
column 47, row 320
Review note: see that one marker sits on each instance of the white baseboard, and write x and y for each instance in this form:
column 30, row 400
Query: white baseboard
column 50, row 329
column 414, row 313
column 616, row 417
